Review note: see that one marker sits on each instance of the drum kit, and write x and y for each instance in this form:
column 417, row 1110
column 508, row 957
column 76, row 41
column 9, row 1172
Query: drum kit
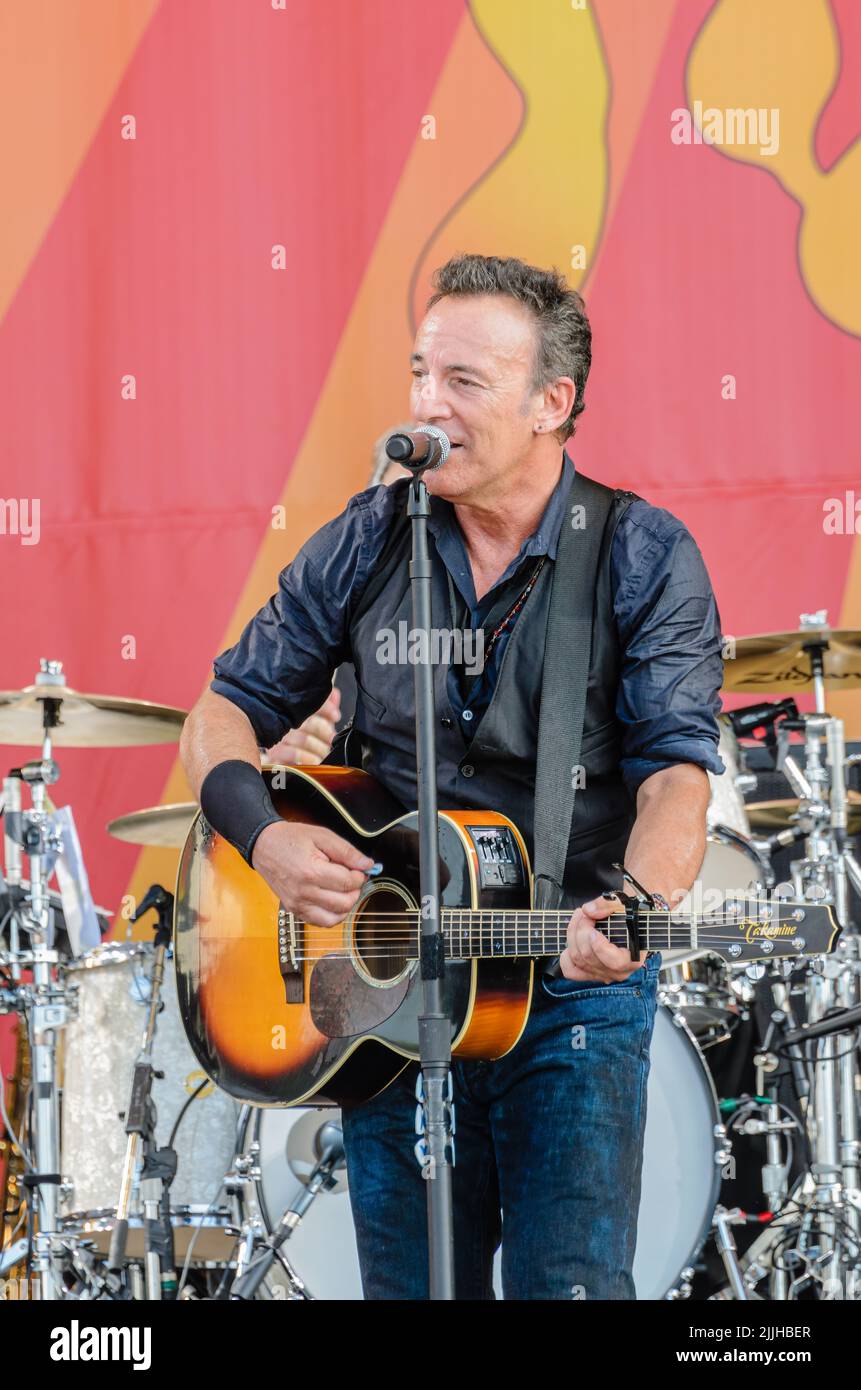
column 125, row 1173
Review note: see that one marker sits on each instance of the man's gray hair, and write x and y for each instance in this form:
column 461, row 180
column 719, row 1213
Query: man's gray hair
column 564, row 339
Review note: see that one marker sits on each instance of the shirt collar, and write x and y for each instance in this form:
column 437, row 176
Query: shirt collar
column 544, row 540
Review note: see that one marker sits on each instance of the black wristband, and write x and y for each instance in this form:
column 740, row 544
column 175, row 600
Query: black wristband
column 236, row 802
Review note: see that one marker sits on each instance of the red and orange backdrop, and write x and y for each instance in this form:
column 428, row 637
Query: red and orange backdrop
column 220, row 217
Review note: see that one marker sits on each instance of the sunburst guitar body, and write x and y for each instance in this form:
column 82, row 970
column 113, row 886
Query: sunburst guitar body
column 257, row 1022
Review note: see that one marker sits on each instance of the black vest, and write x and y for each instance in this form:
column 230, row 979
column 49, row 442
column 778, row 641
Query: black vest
column 496, row 771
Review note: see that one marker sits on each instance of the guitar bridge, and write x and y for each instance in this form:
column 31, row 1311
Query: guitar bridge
column 289, row 962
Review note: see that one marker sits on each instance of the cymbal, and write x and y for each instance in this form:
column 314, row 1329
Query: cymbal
column 771, row 816
column 775, row 661
column 164, row 826
column 86, row 721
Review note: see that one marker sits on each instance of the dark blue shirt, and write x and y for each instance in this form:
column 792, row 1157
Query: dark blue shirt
column 667, row 701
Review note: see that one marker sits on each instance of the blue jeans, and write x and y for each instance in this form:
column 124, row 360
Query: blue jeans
column 548, row 1139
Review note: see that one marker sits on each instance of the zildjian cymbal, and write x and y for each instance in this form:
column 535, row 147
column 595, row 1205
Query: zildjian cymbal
column 86, row 721
column 771, row 816
column 775, row 661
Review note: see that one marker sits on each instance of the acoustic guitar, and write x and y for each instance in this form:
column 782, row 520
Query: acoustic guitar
column 283, row 1012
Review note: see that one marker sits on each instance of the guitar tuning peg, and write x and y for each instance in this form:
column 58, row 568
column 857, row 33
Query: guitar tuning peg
column 755, row 970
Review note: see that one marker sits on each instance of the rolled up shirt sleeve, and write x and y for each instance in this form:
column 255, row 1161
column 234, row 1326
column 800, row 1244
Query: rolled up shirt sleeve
column 281, row 669
column 669, row 627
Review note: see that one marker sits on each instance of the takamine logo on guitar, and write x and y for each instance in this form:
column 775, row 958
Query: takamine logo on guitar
column 767, row 929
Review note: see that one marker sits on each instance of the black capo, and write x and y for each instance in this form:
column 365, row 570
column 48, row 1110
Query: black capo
column 632, row 907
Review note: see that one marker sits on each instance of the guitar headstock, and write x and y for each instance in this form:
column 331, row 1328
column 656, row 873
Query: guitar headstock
column 779, row 929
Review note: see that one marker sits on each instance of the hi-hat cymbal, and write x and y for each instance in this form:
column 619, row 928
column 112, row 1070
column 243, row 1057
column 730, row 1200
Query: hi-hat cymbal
column 771, row 816
column 163, row 826
column 776, row 661
column 86, row 721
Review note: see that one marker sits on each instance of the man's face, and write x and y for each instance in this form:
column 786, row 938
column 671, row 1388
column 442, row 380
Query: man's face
column 472, row 369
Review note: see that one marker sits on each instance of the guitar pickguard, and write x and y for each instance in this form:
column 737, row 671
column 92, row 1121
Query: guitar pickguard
column 344, row 1005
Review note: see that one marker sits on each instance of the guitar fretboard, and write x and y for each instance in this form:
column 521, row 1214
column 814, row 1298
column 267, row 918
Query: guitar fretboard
column 471, row 933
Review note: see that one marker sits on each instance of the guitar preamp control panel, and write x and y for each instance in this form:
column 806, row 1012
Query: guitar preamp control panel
column 499, row 861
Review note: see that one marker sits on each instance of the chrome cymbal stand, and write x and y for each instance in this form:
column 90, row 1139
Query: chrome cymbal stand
column 43, row 1002
column 828, row 1201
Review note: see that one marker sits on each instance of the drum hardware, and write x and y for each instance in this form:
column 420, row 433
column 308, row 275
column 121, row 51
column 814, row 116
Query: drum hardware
column 240, row 1183
column 700, row 990
column 159, row 1163
column 46, row 933
column 50, row 712
column 30, row 833
column 724, row 1220
column 329, row 1146
column 61, row 939
column 811, row 1244
column 792, row 814
column 277, row 1152
column 829, row 866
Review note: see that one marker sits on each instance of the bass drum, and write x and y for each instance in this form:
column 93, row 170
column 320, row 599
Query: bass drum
column 682, row 1159
column 681, row 1178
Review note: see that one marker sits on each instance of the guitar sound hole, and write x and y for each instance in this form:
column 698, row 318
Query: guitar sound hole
column 384, row 936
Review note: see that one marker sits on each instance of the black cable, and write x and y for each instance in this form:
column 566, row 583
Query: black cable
column 180, row 1117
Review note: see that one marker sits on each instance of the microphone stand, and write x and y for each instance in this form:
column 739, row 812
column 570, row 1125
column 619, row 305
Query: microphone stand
column 434, row 1119
column 159, row 1163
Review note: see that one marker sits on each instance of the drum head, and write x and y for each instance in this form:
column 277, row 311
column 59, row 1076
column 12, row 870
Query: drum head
column 680, row 1177
column 322, row 1250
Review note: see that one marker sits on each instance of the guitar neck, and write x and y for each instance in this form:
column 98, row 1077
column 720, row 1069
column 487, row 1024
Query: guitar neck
column 479, row 934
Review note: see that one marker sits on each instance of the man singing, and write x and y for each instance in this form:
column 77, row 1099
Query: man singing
column 549, row 1137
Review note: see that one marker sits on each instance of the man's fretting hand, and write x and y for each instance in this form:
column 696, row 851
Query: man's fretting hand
column 589, row 955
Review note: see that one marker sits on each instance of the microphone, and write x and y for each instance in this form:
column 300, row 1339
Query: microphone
column 424, row 447
column 752, row 717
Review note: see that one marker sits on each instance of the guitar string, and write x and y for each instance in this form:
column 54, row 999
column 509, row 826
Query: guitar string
column 706, row 940
column 482, row 917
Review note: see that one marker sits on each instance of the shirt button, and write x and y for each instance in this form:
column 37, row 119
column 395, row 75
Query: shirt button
column 446, row 722
column 468, row 770
column 467, row 714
